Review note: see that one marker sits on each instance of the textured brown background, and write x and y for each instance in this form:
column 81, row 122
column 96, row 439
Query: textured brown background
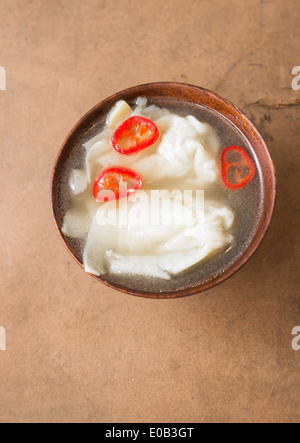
column 78, row 351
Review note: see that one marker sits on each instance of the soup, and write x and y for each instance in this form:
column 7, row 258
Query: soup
column 161, row 257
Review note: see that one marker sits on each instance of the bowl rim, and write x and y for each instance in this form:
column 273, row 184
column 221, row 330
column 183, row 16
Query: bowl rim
column 268, row 211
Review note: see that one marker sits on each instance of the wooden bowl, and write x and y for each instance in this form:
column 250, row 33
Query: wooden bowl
column 186, row 99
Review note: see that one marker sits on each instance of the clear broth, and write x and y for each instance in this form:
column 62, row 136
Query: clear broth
column 246, row 204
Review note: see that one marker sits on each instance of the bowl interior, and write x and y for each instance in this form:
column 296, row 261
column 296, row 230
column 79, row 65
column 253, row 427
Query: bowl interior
column 254, row 205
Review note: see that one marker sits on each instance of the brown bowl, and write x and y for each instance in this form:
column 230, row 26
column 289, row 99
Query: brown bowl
column 185, row 99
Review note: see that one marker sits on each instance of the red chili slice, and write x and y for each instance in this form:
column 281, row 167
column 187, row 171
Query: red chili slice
column 135, row 134
column 115, row 183
column 239, row 171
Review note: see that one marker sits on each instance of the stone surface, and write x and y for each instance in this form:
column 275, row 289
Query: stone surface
column 78, row 351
